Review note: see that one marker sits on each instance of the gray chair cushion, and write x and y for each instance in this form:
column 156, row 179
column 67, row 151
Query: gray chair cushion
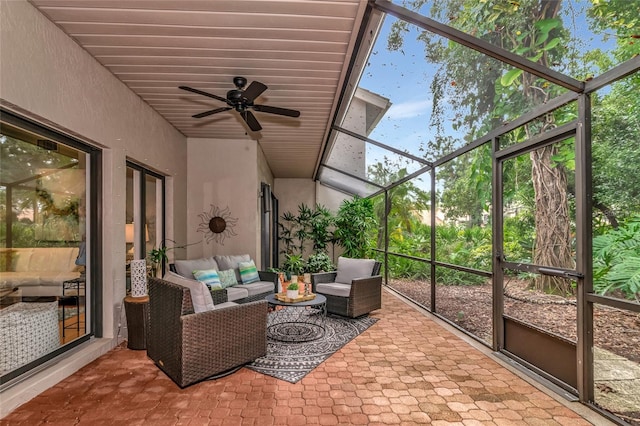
column 236, row 293
column 200, row 296
column 349, row 269
column 334, row 289
column 186, row 267
column 258, row 287
column 231, row 262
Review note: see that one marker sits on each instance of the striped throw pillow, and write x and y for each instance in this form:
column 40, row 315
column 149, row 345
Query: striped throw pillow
column 209, row 277
column 248, row 272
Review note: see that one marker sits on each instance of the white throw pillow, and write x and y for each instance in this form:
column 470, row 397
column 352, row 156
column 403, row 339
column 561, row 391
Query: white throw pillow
column 200, row 296
column 349, row 269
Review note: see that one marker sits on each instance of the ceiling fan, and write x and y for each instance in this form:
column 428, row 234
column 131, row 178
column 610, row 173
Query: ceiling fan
column 241, row 100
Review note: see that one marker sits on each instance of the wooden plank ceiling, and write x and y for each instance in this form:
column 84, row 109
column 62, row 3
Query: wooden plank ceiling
column 300, row 49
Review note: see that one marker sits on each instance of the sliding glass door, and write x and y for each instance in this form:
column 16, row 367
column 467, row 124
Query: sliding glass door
column 144, row 216
column 47, row 293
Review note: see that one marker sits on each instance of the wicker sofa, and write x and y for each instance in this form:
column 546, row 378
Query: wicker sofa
column 353, row 290
column 239, row 293
column 190, row 347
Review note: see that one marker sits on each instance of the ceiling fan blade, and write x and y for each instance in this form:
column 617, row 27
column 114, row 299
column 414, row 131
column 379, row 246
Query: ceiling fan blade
column 276, row 110
column 254, row 90
column 200, row 92
column 251, row 121
column 211, row 112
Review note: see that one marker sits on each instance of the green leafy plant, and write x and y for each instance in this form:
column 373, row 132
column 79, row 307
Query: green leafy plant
column 293, row 263
column 319, row 262
column 293, row 286
column 159, row 255
column 309, row 225
column 355, row 227
column 616, row 263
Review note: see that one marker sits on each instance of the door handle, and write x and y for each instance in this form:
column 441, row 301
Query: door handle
column 560, row 273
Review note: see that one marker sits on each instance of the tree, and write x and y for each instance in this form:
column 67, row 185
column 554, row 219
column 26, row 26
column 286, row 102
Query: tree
column 485, row 93
column 404, row 200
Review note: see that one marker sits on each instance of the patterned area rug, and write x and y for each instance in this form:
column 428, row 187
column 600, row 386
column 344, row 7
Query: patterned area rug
column 292, row 361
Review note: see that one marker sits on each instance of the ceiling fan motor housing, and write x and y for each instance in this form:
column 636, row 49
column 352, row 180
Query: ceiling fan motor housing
column 236, row 97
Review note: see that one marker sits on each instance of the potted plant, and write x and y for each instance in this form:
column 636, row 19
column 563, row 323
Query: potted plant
column 292, row 290
column 158, row 256
column 319, row 262
column 293, row 265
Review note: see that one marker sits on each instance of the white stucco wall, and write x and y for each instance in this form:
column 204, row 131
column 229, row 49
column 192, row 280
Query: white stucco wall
column 329, row 197
column 293, row 192
column 223, row 173
column 45, row 76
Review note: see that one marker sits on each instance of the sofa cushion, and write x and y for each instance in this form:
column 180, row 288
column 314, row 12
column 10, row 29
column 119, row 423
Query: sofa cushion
column 227, row 278
column 186, row 267
column 200, row 296
column 209, row 277
column 231, row 262
column 248, row 272
column 334, row 289
column 350, row 269
column 257, row 287
column 236, row 293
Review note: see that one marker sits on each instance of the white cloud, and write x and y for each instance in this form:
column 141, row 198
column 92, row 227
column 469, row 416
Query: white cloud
column 408, row 109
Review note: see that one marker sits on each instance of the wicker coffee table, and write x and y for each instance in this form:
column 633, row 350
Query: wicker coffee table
column 296, row 322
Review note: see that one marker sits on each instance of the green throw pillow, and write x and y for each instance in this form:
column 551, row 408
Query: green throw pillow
column 227, row 278
column 209, row 277
column 248, row 272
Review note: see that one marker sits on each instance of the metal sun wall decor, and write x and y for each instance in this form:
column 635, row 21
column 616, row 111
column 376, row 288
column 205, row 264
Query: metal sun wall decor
column 217, row 224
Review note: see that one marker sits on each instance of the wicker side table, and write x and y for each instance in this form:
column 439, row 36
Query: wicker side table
column 137, row 311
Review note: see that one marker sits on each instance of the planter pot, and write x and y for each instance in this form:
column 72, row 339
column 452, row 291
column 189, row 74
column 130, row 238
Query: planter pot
column 307, row 278
column 292, row 294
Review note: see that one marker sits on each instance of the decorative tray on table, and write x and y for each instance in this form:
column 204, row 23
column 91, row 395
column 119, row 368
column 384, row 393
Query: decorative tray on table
column 301, row 298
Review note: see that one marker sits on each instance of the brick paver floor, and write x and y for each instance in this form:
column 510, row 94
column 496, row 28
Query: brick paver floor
column 405, row 369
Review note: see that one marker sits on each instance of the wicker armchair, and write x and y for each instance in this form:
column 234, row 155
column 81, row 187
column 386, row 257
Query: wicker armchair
column 364, row 294
column 191, row 347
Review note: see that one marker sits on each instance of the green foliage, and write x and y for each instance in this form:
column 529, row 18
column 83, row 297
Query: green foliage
column 159, row 255
column 293, row 286
column 470, row 247
column 309, row 225
column 616, row 260
column 405, row 200
column 518, row 237
column 623, row 18
column 355, row 227
column 293, row 263
column 616, row 153
column 319, row 262
column 466, row 185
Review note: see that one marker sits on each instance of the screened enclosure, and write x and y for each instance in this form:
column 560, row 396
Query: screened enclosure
column 499, row 142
